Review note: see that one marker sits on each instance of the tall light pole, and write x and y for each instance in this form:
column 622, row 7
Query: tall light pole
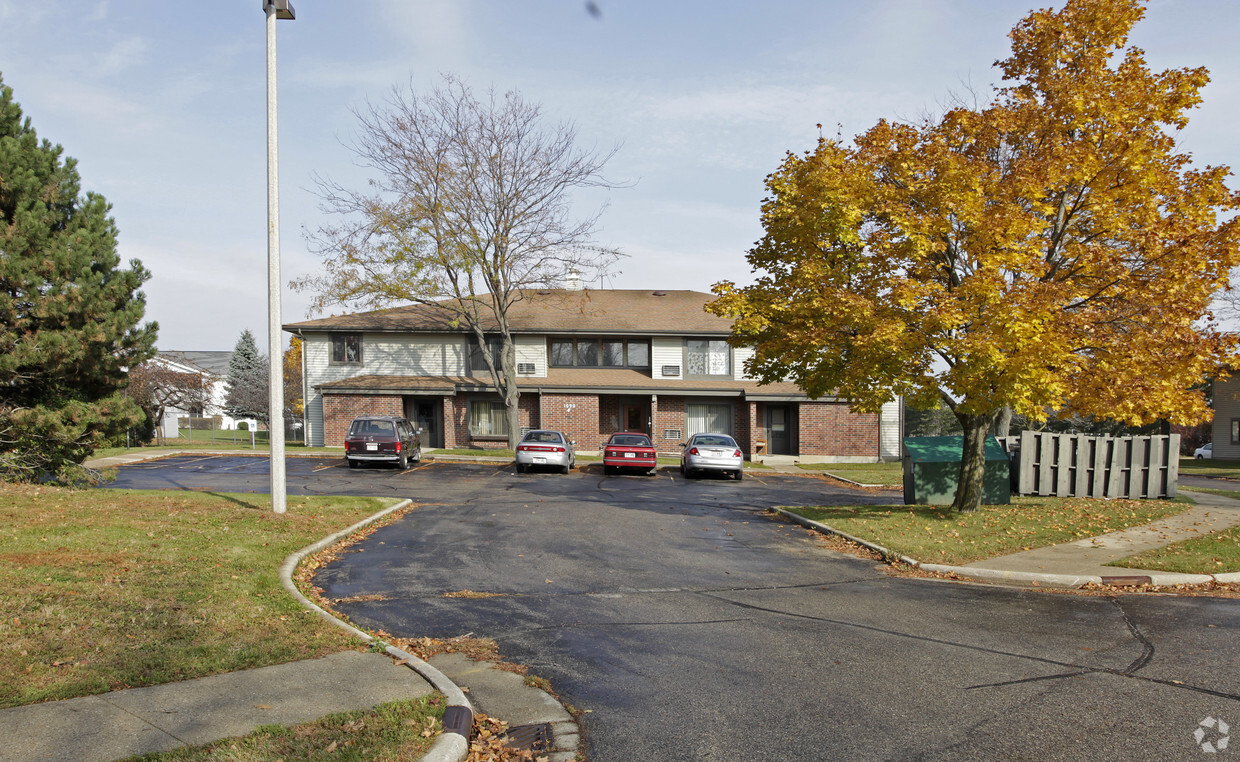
column 275, row 9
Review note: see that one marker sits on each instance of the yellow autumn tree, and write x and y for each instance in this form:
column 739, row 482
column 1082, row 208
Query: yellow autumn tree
column 1050, row 250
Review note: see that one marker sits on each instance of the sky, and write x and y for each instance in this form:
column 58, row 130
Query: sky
column 163, row 104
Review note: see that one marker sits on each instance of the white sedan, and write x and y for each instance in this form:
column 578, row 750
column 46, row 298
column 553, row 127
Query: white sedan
column 712, row 452
column 544, row 447
column 1205, row 452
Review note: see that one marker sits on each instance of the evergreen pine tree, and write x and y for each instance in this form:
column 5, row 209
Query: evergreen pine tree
column 248, row 394
column 70, row 316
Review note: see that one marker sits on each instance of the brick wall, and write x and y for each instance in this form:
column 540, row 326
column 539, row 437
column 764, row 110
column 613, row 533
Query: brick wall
column 830, row 428
column 670, row 415
column 339, row 410
column 574, row 414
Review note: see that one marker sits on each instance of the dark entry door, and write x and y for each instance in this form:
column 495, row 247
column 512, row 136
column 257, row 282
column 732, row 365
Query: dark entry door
column 428, row 416
column 778, row 430
column 633, row 417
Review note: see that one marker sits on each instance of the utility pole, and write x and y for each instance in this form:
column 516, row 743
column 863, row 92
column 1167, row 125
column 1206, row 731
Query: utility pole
column 275, row 9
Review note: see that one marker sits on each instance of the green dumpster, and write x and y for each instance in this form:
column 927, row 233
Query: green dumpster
column 932, row 471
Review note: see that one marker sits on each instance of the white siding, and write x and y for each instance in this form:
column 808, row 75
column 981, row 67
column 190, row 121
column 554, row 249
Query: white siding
column 666, row 351
column 890, row 427
column 532, row 349
column 739, row 356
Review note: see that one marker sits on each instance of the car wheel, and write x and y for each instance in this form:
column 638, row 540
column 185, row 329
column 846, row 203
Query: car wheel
column 403, row 462
column 609, row 470
column 740, row 474
column 686, row 472
column 567, row 467
column 520, row 468
column 1201, row 457
column 352, row 463
column 652, row 471
column 417, row 455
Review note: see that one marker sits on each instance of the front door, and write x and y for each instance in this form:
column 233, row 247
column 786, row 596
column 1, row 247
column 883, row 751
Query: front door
column 778, row 430
column 633, row 417
column 427, row 415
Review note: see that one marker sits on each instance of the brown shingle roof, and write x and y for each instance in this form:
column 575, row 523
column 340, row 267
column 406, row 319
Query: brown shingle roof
column 559, row 311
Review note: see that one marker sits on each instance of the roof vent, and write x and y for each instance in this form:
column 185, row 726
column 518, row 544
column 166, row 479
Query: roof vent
column 525, row 368
column 660, row 293
column 573, row 281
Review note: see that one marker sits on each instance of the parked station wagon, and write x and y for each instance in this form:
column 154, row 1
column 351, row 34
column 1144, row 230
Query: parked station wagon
column 383, row 439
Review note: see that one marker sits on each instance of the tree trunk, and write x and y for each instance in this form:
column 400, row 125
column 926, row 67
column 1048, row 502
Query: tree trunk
column 1003, row 422
column 512, row 394
column 972, row 462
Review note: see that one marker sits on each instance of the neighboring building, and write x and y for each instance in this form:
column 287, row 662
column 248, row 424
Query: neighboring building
column 1226, row 428
column 213, row 366
column 589, row 362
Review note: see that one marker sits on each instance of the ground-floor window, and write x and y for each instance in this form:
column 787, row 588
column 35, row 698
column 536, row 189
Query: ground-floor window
column 708, row 417
column 488, row 418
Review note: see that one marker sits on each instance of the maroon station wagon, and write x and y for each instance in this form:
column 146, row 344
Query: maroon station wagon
column 382, row 438
column 627, row 449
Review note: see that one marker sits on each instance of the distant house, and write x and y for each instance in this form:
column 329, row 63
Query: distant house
column 213, row 366
column 589, row 362
column 1226, row 428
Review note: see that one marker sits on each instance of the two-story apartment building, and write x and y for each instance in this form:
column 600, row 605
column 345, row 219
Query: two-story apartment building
column 589, row 362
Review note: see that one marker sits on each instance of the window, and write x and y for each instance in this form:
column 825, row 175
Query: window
column 1235, row 430
column 479, row 363
column 488, row 418
column 613, row 353
column 708, row 357
column 346, row 348
column 587, row 353
column 708, row 417
column 600, row 353
column 561, row 352
column 637, row 354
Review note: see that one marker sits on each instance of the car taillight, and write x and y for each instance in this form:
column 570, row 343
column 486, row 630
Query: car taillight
column 398, row 445
column 693, row 451
column 611, row 453
column 558, row 449
column 736, row 454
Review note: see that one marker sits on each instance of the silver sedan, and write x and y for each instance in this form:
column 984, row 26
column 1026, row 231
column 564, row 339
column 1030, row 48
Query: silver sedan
column 712, row 452
column 544, row 447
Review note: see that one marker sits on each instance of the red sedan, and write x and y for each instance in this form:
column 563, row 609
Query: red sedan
column 627, row 449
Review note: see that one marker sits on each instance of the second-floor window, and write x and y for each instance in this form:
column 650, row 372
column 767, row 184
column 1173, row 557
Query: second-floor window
column 346, row 348
column 600, row 353
column 478, row 362
column 708, row 357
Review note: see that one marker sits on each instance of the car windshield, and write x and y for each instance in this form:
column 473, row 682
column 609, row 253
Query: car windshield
column 630, row 440
column 544, row 436
column 372, row 429
column 713, row 440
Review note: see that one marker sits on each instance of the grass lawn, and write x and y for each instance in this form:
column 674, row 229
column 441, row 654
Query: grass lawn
column 1214, row 553
column 888, row 474
column 108, row 589
column 1227, row 469
column 935, row 534
column 399, row 730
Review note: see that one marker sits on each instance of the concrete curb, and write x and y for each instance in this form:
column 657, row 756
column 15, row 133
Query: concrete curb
column 1070, row 581
column 453, row 744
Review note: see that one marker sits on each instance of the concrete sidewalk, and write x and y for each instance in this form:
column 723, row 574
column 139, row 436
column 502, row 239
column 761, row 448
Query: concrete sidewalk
column 1212, row 513
column 193, row 712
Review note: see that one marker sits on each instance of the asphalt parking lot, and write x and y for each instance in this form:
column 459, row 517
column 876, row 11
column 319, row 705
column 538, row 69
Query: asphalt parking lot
column 687, row 623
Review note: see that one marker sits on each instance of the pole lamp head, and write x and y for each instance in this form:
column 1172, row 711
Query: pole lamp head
column 283, row 8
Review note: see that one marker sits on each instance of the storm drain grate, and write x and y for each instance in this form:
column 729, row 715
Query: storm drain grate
column 532, row 737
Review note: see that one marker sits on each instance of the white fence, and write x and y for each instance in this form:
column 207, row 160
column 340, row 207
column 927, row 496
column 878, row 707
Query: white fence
column 1078, row 465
